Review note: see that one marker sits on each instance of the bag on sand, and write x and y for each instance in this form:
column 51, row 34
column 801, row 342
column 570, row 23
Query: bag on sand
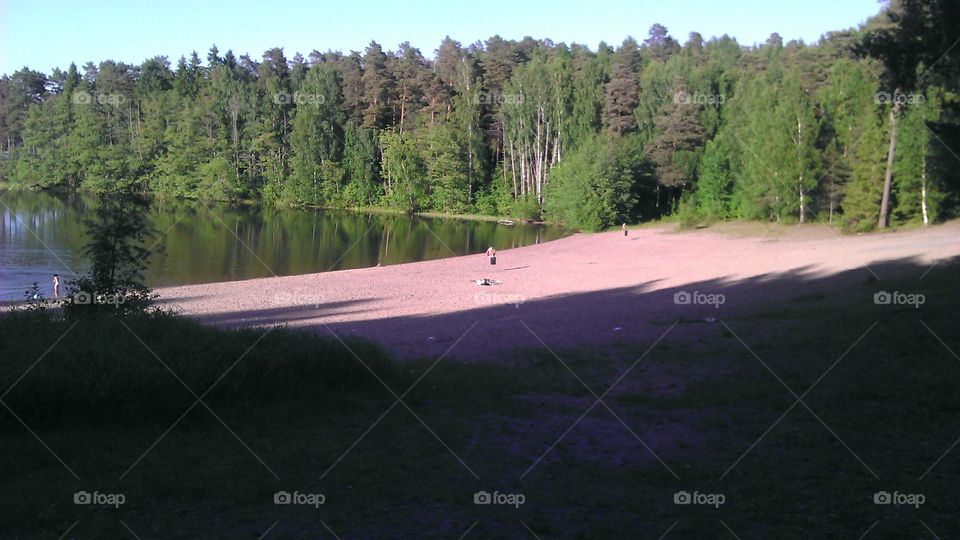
column 493, row 259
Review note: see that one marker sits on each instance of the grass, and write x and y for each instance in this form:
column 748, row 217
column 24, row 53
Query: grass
column 137, row 369
column 300, row 413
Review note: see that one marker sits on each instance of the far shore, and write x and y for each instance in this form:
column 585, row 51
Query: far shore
column 12, row 186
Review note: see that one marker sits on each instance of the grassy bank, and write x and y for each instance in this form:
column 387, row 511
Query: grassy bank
column 104, row 369
column 439, row 215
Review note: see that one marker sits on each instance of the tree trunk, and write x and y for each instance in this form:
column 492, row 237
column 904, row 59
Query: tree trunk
column 800, row 163
column 832, row 192
column 513, row 171
column 403, row 106
column 802, row 213
column 923, row 192
column 888, row 176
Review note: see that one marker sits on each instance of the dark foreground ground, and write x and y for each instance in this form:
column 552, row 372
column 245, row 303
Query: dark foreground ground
column 795, row 413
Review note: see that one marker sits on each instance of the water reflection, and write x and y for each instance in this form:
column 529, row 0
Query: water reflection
column 42, row 234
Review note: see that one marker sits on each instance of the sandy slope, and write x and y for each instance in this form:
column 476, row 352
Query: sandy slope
column 585, row 290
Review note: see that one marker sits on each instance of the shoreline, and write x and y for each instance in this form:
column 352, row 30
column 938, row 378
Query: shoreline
column 12, row 186
column 584, row 290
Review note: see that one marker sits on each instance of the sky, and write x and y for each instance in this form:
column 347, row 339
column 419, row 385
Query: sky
column 44, row 34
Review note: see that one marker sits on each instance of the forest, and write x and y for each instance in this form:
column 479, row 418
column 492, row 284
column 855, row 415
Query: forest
column 855, row 130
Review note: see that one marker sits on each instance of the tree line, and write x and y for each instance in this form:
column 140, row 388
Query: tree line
column 856, row 129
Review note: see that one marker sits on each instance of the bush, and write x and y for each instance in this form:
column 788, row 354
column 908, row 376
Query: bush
column 496, row 198
column 594, row 186
column 526, row 208
column 688, row 213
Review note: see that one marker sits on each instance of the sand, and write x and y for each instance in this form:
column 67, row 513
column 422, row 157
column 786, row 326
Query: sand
column 587, row 290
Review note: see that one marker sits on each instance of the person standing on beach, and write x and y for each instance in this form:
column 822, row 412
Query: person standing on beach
column 492, row 255
column 56, row 286
column 624, row 228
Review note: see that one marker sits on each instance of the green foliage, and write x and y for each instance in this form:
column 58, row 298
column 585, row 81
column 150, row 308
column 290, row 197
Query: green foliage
column 526, row 208
column 317, row 142
column 847, row 100
column 447, row 169
column 361, row 164
column 688, row 213
column 766, row 132
column 593, row 187
column 916, row 185
column 676, row 146
column 862, row 200
column 496, row 199
column 714, row 183
column 117, row 257
column 404, row 170
column 773, row 120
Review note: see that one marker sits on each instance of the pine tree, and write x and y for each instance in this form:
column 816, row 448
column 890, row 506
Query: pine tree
column 675, row 150
column 361, row 165
column 861, row 202
column 621, row 90
column 378, row 88
column 714, row 182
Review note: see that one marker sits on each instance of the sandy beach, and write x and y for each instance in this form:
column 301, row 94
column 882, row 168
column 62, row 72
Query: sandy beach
column 587, row 290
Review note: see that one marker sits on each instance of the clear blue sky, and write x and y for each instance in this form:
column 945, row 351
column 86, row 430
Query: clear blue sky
column 44, row 34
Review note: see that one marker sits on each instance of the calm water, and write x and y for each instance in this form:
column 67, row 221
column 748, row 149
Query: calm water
column 42, row 234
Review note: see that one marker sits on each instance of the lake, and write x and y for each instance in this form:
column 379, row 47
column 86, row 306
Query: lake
column 42, row 233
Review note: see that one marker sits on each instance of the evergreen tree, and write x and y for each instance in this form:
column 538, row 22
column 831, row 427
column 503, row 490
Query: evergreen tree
column 714, row 182
column 378, row 88
column 861, row 202
column 916, row 185
column 621, row 90
column 317, row 140
column 774, row 132
column 675, row 150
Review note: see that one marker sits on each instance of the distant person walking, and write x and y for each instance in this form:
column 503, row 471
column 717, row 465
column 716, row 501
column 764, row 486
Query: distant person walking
column 492, row 255
column 624, row 228
column 56, row 286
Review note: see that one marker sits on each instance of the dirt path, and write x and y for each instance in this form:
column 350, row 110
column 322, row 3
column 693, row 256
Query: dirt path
column 585, row 290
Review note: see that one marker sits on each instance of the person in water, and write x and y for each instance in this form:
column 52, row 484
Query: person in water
column 492, row 255
column 56, row 286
